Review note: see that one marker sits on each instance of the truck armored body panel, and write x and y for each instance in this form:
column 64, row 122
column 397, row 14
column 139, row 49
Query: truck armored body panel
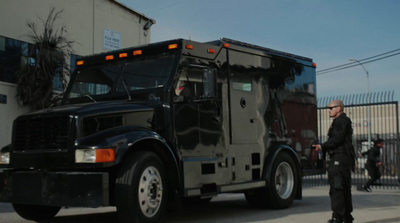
column 179, row 120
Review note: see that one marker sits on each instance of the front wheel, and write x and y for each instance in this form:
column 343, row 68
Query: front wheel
column 282, row 186
column 36, row 212
column 141, row 189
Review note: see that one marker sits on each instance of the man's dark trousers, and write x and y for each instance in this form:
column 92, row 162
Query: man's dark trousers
column 339, row 176
column 374, row 173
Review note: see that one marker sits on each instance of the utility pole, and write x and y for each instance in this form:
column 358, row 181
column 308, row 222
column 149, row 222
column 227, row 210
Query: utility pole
column 368, row 102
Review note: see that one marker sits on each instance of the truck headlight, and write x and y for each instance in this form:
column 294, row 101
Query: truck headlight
column 94, row 155
column 5, row 158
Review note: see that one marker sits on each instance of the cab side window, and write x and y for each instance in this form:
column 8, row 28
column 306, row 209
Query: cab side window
column 242, row 83
column 196, row 83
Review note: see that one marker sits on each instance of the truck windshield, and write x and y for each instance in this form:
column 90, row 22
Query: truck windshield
column 106, row 81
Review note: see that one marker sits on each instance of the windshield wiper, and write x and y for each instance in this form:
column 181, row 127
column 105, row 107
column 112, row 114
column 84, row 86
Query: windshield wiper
column 122, row 79
column 126, row 89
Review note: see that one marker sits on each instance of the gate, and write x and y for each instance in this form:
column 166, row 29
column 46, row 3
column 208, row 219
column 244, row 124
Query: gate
column 382, row 122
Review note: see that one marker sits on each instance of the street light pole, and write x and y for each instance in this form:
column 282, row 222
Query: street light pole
column 368, row 101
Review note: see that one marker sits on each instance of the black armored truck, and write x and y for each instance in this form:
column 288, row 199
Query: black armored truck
column 145, row 127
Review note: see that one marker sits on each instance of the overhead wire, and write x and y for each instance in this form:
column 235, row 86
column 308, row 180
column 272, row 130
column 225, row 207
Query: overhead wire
column 362, row 61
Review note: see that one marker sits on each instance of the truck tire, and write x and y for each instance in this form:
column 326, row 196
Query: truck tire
column 140, row 189
column 36, row 212
column 283, row 183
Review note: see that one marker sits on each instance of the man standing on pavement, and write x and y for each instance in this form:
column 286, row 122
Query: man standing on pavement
column 371, row 165
column 341, row 152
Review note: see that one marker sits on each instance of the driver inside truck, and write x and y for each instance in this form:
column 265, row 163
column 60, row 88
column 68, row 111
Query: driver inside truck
column 185, row 89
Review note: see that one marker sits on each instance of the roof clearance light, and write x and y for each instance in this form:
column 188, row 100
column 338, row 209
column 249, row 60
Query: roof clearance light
column 123, row 55
column 172, row 46
column 189, row 47
column 110, row 57
column 80, row 62
column 211, row 51
column 314, row 64
column 226, row 45
column 137, row 52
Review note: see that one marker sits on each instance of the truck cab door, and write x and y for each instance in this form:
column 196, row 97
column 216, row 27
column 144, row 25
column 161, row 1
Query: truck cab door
column 197, row 121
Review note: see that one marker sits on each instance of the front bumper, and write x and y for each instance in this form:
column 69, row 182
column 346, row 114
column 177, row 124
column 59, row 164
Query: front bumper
column 71, row 189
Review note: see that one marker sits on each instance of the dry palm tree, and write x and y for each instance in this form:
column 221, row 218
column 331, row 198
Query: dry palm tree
column 48, row 54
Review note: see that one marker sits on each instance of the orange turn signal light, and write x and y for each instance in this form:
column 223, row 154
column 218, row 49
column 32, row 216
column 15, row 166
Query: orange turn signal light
column 226, row 45
column 105, row 155
column 80, row 62
column 189, row 47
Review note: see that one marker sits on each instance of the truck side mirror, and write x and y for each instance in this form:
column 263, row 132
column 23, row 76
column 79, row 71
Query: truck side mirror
column 209, row 82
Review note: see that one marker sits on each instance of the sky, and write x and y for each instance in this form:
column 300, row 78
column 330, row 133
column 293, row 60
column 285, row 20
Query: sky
column 329, row 32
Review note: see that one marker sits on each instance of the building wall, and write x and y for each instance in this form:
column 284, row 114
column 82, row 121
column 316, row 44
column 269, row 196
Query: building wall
column 84, row 20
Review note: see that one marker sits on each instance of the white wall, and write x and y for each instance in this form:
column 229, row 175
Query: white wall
column 8, row 112
column 84, row 21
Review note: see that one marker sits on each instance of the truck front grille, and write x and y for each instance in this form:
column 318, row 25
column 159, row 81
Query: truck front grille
column 43, row 133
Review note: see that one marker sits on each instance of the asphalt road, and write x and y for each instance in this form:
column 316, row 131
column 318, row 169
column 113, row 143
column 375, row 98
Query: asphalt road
column 380, row 206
